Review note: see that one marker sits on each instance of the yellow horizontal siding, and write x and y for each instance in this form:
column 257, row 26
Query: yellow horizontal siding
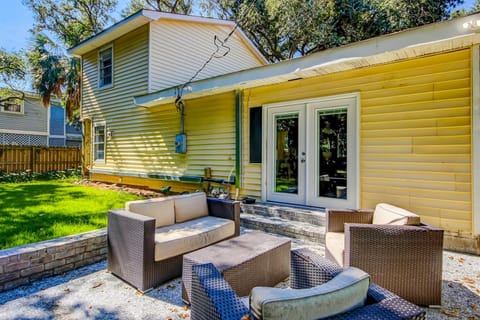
column 172, row 45
column 143, row 142
column 415, row 133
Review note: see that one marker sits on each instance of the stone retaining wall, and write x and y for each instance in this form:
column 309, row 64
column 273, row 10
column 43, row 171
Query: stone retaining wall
column 24, row 264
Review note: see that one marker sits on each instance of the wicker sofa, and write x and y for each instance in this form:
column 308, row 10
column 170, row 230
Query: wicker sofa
column 213, row 298
column 399, row 252
column 147, row 240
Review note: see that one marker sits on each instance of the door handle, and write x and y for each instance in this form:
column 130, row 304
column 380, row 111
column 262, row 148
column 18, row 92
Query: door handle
column 302, row 159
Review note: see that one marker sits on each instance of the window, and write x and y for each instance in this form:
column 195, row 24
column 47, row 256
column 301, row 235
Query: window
column 13, row 106
column 105, row 68
column 99, row 140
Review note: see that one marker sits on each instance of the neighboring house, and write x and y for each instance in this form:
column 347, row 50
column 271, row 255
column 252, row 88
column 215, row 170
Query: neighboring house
column 30, row 124
column 390, row 119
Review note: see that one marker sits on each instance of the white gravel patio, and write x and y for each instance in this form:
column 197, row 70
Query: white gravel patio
column 93, row 293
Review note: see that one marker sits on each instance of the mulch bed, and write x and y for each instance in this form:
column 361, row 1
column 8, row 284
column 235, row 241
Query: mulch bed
column 142, row 192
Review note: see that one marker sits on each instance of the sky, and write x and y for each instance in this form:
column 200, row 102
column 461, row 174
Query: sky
column 16, row 20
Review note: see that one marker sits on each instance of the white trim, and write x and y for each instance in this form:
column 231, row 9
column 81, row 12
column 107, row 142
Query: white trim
column 476, row 140
column 56, row 136
column 143, row 17
column 49, row 113
column 22, row 109
column 35, row 133
column 263, row 186
column 149, row 62
column 104, row 125
column 104, row 48
column 356, row 134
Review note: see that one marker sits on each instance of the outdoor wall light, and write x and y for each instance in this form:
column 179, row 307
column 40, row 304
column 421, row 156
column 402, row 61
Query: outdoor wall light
column 472, row 25
column 110, row 134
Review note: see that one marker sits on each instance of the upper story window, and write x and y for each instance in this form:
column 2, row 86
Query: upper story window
column 99, row 139
column 13, row 106
column 105, row 67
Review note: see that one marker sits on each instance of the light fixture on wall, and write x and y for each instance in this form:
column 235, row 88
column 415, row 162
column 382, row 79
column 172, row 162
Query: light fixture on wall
column 472, row 25
column 110, row 134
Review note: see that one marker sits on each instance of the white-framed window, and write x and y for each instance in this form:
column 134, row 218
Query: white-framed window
column 14, row 106
column 99, row 141
column 105, row 67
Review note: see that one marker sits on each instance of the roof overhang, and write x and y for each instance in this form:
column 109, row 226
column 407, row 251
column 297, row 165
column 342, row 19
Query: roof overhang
column 429, row 39
column 143, row 17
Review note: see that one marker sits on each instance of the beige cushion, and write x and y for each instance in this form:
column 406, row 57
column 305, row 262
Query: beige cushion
column 161, row 209
column 345, row 292
column 335, row 247
column 188, row 236
column 387, row 214
column 190, row 206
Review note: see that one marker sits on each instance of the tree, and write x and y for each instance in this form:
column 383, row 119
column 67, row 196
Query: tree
column 70, row 21
column 12, row 71
column 171, row 6
column 283, row 29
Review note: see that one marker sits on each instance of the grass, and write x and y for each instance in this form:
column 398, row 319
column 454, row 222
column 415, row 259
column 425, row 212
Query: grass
column 37, row 211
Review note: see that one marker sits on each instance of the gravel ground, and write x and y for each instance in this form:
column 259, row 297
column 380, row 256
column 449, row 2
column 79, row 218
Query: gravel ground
column 93, row 293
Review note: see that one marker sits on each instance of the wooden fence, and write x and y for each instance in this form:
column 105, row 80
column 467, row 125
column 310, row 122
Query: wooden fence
column 39, row 159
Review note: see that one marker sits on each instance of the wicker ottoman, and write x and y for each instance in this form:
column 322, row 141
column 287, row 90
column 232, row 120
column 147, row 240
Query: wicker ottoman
column 247, row 261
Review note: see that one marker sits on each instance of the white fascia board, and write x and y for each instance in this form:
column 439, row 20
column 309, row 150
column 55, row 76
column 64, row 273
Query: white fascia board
column 113, row 32
column 429, row 39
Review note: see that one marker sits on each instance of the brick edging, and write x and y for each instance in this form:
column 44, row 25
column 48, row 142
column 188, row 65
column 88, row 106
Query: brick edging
column 24, row 264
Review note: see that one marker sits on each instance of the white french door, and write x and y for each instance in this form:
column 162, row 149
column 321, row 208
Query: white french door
column 312, row 153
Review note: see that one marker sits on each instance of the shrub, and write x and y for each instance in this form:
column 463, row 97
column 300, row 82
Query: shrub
column 27, row 175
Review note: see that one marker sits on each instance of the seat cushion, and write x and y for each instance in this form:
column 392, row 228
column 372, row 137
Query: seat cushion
column 335, row 247
column 190, row 206
column 191, row 235
column 161, row 209
column 345, row 292
column 387, row 214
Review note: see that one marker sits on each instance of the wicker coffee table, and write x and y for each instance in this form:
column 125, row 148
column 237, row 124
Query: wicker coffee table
column 247, row 261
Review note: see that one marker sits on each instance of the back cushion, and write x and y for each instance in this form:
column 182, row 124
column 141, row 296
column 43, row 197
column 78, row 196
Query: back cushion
column 161, row 209
column 387, row 214
column 190, row 206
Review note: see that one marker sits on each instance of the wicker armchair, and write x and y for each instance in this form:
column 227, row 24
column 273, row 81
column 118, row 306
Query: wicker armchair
column 405, row 259
column 213, row 298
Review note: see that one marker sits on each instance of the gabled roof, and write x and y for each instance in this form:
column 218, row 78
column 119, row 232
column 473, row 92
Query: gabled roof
column 145, row 16
column 425, row 40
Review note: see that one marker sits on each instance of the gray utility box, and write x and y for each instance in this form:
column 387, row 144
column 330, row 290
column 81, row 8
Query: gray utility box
column 181, row 143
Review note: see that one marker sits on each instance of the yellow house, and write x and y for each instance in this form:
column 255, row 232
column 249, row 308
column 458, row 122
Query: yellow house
column 391, row 119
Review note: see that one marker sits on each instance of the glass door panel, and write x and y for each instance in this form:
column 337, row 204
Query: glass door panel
column 332, row 131
column 285, row 159
column 286, row 153
column 332, row 169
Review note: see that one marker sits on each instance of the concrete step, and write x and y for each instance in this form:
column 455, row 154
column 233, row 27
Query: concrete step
column 290, row 228
column 314, row 216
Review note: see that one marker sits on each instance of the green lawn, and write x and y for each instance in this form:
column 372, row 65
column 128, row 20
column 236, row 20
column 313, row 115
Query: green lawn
column 37, row 211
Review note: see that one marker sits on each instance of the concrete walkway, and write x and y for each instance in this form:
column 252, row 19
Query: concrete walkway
column 92, row 293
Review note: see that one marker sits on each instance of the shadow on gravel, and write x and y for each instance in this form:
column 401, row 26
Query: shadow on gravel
column 458, row 302
column 43, row 284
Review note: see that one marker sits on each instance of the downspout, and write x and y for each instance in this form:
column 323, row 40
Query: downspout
column 238, row 131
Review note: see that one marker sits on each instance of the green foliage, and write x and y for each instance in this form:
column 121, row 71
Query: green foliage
column 283, row 29
column 72, row 21
column 12, row 73
column 171, row 6
column 28, row 176
column 37, row 211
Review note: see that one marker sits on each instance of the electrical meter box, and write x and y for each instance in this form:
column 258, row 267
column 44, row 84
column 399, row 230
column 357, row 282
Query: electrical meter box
column 181, row 143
